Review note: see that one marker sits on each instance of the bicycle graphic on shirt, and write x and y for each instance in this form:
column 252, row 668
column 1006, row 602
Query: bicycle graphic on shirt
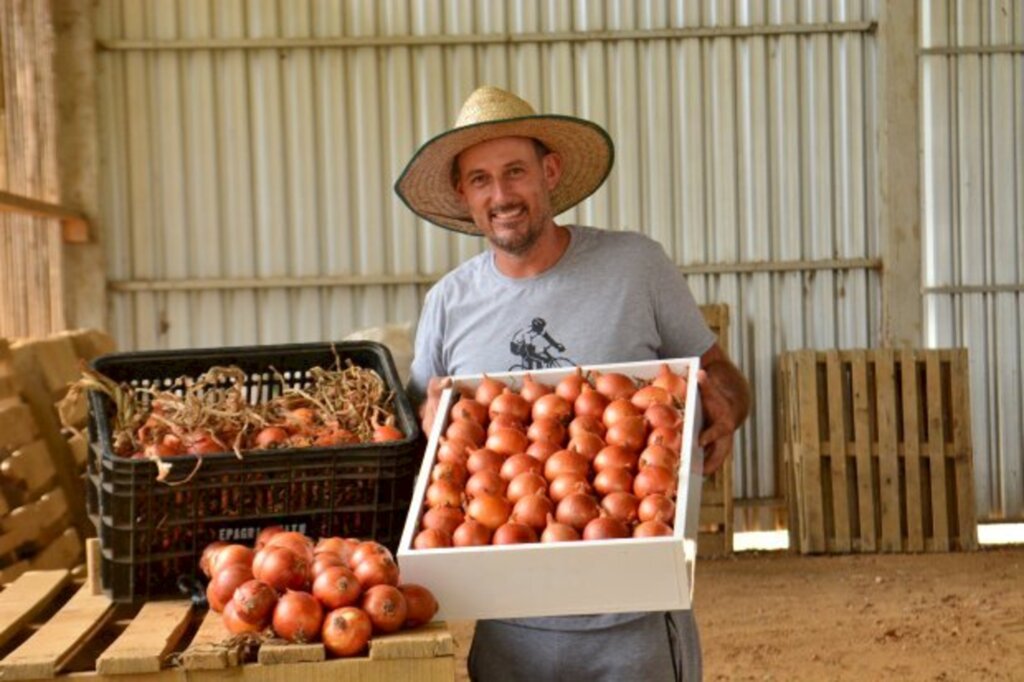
column 534, row 345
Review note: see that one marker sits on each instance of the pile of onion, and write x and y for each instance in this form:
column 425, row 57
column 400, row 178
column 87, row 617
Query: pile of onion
column 593, row 457
column 339, row 590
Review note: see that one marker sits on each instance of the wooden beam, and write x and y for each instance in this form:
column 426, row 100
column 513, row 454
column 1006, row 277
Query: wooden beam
column 75, row 226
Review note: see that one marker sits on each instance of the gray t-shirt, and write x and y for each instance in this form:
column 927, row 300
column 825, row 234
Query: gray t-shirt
column 612, row 297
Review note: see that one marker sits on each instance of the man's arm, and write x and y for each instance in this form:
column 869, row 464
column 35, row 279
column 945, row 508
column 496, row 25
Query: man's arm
column 428, row 410
column 725, row 397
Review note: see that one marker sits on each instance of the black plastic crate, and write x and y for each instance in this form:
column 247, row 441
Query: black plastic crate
column 152, row 534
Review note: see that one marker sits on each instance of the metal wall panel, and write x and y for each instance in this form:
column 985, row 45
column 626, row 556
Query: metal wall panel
column 278, row 162
column 973, row 223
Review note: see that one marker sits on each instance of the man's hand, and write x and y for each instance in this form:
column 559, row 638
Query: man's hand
column 428, row 410
column 725, row 398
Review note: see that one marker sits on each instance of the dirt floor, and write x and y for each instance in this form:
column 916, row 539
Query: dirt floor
column 776, row 616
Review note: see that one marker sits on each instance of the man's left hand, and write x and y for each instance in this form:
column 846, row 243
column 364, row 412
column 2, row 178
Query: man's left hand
column 725, row 399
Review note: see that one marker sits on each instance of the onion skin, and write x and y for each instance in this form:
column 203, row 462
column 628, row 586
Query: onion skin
column 657, row 507
column 468, row 430
column 577, row 510
column 650, row 529
column 669, row 438
column 365, row 550
column 541, row 451
column 623, row 506
column 236, row 625
column 282, row 569
column 229, row 555
column 298, row 617
column 337, row 587
column 376, row 570
column 628, row 433
column 430, row 538
column 443, row 518
column 507, row 442
column 587, row 444
column 487, row 390
column 615, row 386
column 655, row 479
column 471, row 534
column 490, row 510
column 503, row 421
column 454, row 473
column 615, row 456
column 443, row 494
column 659, row 455
column 209, row 552
column 566, row 484
column 558, row 532
column 222, row 586
column 590, row 403
column 532, row 389
column 421, row 605
column 613, row 480
column 673, row 383
column 618, row 410
column 486, row 482
column 483, row 459
column 651, row 395
column 546, row 430
column 605, row 528
column 570, row 386
column 526, row 483
column 552, row 406
column 468, row 408
column 513, row 533
column 533, row 511
column 346, row 631
column 386, row 607
column 454, row 450
column 520, row 464
column 585, row 424
column 566, row 462
column 511, row 404
column 663, row 416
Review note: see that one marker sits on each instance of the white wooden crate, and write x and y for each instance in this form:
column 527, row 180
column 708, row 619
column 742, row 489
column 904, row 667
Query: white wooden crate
column 585, row 577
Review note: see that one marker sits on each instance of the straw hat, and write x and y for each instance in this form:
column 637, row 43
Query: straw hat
column 586, row 150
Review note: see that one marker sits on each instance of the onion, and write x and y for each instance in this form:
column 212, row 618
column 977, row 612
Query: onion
column 485, row 482
column 670, row 438
column 364, row 550
column 443, row 518
column 566, row 462
column 282, row 569
column 383, row 433
column 660, row 456
column 577, row 510
column 675, row 384
column 628, row 433
column 507, row 442
column 587, row 444
column 605, row 528
column 238, row 626
column 487, row 390
column 533, row 510
column 337, row 587
column 468, row 408
column 586, row 424
column 490, row 510
column 532, row 390
column 558, row 532
column 546, row 430
column 386, row 607
column 270, row 437
column 431, row 538
column 224, row 583
column 503, row 421
column 541, row 451
column 421, row 605
column 454, row 450
column 301, row 420
column 614, row 386
column 484, row 460
column 663, row 416
column 229, row 555
column 520, row 464
column 552, row 406
column 466, row 429
column 621, row 506
column 298, row 617
column 514, row 534
column 342, row 547
column 346, row 631
column 570, row 386
column 209, row 552
column 615, row 456
column 376, row 570
column 618, row 410
column 651, row 395
column 566, row 484
column 590, row 403
column 443, row 494
column 657, row 507
column 526, row 483
column 454, row 473
column 613, row 480
column 325, row 560
column 511, row 404
column 295, row 541
column 471, row 534
column 264, row 537
column 650, row 529
column 655, row 479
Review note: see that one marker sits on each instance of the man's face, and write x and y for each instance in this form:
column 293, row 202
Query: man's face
column 507, row 189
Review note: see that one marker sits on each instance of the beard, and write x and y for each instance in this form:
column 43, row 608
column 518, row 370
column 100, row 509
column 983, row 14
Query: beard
column 517, row 242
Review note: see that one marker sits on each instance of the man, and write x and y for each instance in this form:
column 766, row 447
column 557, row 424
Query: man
column 505, row 172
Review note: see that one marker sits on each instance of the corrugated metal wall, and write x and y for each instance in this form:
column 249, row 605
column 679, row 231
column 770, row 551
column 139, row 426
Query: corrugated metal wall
column 972, row 104
column 275, row 163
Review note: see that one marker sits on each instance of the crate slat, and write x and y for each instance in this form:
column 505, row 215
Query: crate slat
column 277, row 654
column 213, row 647
column 936, row 453
column 862, row 437
column 17, row 426
column 30, row 466
column 151, row 635
column 837, row 449
column 888, row 450
column 808, row 453
column 25, row 597
column 47, row 651
column 428, row 641
column 64, row 552
column 963, row 450
column 912, row 450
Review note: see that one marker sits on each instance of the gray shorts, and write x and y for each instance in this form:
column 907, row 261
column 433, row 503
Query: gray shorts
column 660, row 647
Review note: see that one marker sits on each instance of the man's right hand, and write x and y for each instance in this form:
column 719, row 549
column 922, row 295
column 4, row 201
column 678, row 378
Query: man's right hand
column 428, row 410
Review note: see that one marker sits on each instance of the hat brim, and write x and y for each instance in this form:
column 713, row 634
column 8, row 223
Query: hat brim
column 586, row 149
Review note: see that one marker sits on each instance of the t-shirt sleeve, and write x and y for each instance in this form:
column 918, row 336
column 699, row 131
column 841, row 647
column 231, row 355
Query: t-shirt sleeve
column 680, row 323
column 427, row 360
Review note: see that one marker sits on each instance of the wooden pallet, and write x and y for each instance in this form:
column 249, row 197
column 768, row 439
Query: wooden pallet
column 51, row 625
column 716, row 503
column 878, row 450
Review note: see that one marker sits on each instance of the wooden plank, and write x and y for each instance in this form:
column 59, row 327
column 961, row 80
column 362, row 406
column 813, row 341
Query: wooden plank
column 38, row 519
column 213, row 647
column 152, row 634
column 807, row 453
column 17, row 426
column 30, row 467
column 963, row 449
column 79, row 447
column 89, row 343
column 862, row 446
column 55, row 359
column 47, row 651
column 936, row 452
column 912, row 449
column 24, row 598
column 278, row 654
column 64, row 552
column 14, row 571
column 888, row 449
column 837, row 449
column 712, row 515
column 439, row 669
column 785, row 437
column 13, row 540
column 429, row 641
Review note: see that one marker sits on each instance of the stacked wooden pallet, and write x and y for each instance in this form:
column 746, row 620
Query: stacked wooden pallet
column 716, row 503
column 878, row 450
column 50, row 625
